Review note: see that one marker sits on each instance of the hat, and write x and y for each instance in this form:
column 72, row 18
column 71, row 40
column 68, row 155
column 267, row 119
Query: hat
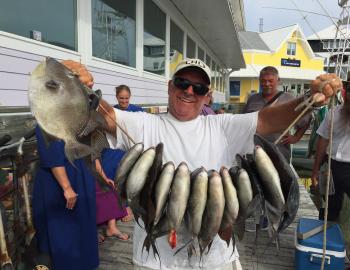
column 196, row 63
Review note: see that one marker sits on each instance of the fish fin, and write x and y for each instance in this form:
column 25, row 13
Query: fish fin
column 239, row 228
column 253, row 206
column 233, row 238
column 76, row 150
column 185, row 245
column 209, row 246
column 95, row 121
column 99, row 141
column 190, row 251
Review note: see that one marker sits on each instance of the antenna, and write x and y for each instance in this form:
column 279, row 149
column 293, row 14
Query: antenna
column 261, row 25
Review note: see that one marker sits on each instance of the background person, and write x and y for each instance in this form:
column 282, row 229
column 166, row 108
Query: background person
column 270, row 96
column 206, row 109
column 340, row 156
column 123, row 94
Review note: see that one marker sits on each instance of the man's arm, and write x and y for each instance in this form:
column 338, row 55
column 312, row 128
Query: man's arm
column 292, row 139
column 321, row 149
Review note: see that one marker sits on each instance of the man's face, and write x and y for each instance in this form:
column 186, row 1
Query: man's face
column 269, row 83
column 123, row 99
column 186, row 105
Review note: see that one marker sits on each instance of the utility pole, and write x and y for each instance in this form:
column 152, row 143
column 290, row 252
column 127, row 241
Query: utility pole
column 261, row 25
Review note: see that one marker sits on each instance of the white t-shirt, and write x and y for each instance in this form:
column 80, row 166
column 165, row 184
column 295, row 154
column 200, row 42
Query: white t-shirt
column 341, row 134
column 210, row 141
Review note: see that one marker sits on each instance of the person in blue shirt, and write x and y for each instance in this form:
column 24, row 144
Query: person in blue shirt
column 111, row 157
column 123, row 94
column 64, row 208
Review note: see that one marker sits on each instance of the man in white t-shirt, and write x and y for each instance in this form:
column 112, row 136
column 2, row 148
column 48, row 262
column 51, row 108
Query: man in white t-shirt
column 210, row 141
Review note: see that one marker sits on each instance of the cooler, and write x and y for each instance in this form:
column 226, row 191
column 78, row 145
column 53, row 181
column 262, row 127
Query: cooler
column 308, row 253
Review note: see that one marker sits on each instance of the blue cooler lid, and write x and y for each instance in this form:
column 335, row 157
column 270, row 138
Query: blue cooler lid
column 334, row 242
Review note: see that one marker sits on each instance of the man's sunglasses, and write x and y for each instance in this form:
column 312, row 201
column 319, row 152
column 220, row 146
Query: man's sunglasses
column 198, row 88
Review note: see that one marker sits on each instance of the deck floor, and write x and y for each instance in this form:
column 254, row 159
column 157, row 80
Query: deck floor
column 116, row 254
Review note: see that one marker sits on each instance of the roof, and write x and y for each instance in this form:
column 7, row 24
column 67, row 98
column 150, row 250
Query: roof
column 252, row 41
column 216, row 25
column 275, row 38
column 329, row 33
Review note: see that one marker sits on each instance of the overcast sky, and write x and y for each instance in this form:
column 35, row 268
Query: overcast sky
column 276, row 18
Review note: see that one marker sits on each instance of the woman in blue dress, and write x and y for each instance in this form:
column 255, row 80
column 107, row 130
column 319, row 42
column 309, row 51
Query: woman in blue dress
column 64, row 209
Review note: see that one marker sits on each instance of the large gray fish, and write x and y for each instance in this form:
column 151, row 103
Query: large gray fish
column 126, row 164
column 289, row 181
column 162, row 189
column 180, row 191
column 274, row 199
column 231, row 207
column 214, row 210
column 244, row 190
column 61, row 105
column 138, row 174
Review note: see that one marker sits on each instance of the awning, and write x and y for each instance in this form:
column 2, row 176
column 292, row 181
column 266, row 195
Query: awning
column 215, row 24
column 252, row 71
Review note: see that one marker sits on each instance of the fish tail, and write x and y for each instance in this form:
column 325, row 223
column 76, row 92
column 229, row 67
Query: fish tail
column 185, row 245
column 172, row 238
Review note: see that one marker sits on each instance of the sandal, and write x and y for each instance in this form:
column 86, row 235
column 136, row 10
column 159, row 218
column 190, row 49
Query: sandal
column 119, row 236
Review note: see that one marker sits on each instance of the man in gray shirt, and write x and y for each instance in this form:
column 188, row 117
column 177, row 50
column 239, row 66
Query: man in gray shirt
column 270, row 96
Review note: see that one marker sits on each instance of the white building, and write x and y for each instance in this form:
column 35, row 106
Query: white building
column 134, row 42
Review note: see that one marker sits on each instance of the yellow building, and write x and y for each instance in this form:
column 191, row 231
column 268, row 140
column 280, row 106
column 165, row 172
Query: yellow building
column 286, row 49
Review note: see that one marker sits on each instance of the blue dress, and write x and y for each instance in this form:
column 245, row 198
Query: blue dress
column 68, row 236
column 131, row 108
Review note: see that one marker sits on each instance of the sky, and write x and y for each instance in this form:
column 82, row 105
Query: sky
column 275, row 14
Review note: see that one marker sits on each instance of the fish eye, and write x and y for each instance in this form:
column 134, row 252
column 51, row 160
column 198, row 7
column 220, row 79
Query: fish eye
column 52, row 84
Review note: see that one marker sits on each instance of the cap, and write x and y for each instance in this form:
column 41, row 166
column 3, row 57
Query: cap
column 196, row 63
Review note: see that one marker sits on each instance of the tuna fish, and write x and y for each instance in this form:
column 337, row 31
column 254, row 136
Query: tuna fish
column 214, row 210
column 289, row 181
column 231, row 207
column 126, row 164
column 274, row 199
column 162, row 189
column 138, row 174
column 243, row 186
column 180, row 191
column 61, row 105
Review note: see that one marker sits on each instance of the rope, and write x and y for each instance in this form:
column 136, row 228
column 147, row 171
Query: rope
column 115, row 121
column 327, row 185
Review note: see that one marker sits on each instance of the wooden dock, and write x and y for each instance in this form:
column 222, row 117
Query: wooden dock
column 115, row 254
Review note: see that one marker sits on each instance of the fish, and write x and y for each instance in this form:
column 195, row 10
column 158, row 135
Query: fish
column 244, row 190
column 274, row 199
column 180, row 191
column 289, row 181
column 214, row 210
column 195, row 207
column 231, row 207
column 162, row 189
column 61, row 104
column 125, row 165
column 147, row 202
column 138, row 174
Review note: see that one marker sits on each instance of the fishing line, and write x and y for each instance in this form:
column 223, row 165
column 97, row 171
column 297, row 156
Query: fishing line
column 115, row 121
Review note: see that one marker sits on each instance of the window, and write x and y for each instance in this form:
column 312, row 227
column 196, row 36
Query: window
column 114, row 31
column 191, row 48
column 291, row 48
column 52, row 22
column 200, row 53
column 235, row 88
column 153, row 38
column 208, row 61
column 176, row 46
column 213, row 74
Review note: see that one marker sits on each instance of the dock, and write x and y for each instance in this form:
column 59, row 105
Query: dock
column 116, row 254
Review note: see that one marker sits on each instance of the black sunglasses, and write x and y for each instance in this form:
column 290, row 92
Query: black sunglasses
column 198, row 88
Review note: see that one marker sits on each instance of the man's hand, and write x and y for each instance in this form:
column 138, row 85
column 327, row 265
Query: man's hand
column 84, row 75
column 327, row 85
column 289, row 139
